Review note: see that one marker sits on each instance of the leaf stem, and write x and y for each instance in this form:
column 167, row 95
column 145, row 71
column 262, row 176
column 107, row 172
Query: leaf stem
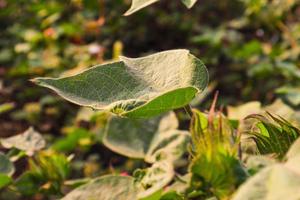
column 188, row 110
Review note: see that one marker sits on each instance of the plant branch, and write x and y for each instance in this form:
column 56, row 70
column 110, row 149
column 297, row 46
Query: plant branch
column 188, row 110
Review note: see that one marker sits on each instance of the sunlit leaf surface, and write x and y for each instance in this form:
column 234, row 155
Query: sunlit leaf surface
column 106, row 188
column 135, row 87
column 137, row 5
column 30, row 141
column 146, row 139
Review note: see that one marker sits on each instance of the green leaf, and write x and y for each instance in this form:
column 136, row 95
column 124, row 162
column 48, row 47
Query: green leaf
column 4, row 180
column 51, row 166
column 74, row 183
column 30, row 141
column 108, row 187
column 6, row 166
column 153, row 179
column 137, row 5
column 29, row 183
column 171, row 196
column 147, row 183
column 5, row 107
column 72, row 140
column 275, row 182
column 275, row 135
column 154, row 196
column 48, row 171
column 146, row 139
column 135, row 87
column 189, row 3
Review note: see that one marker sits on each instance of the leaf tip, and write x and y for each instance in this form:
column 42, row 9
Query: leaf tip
column 127, row 13
column 35, row 80
column 189, row 3
column 39, row 81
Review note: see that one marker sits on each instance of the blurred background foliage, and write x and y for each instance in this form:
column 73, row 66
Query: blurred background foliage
column 251, row 49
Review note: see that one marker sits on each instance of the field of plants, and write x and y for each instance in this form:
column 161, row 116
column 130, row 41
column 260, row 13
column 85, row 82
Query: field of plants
column 150, row 99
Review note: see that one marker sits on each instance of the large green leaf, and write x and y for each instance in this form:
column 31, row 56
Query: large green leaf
column 137, row 5
column 146, row 139
column 275, row 182
column 30, row 141
column 6, row 166
column 147, row 182
column 108, row 187
column 272, row 183
column 135, row 87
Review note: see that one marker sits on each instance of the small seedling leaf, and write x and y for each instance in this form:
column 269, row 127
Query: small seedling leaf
column 30, row 141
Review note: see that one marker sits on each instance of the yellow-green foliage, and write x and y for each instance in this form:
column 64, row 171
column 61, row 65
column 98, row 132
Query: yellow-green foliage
column 273, row 134
column 215, row 167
